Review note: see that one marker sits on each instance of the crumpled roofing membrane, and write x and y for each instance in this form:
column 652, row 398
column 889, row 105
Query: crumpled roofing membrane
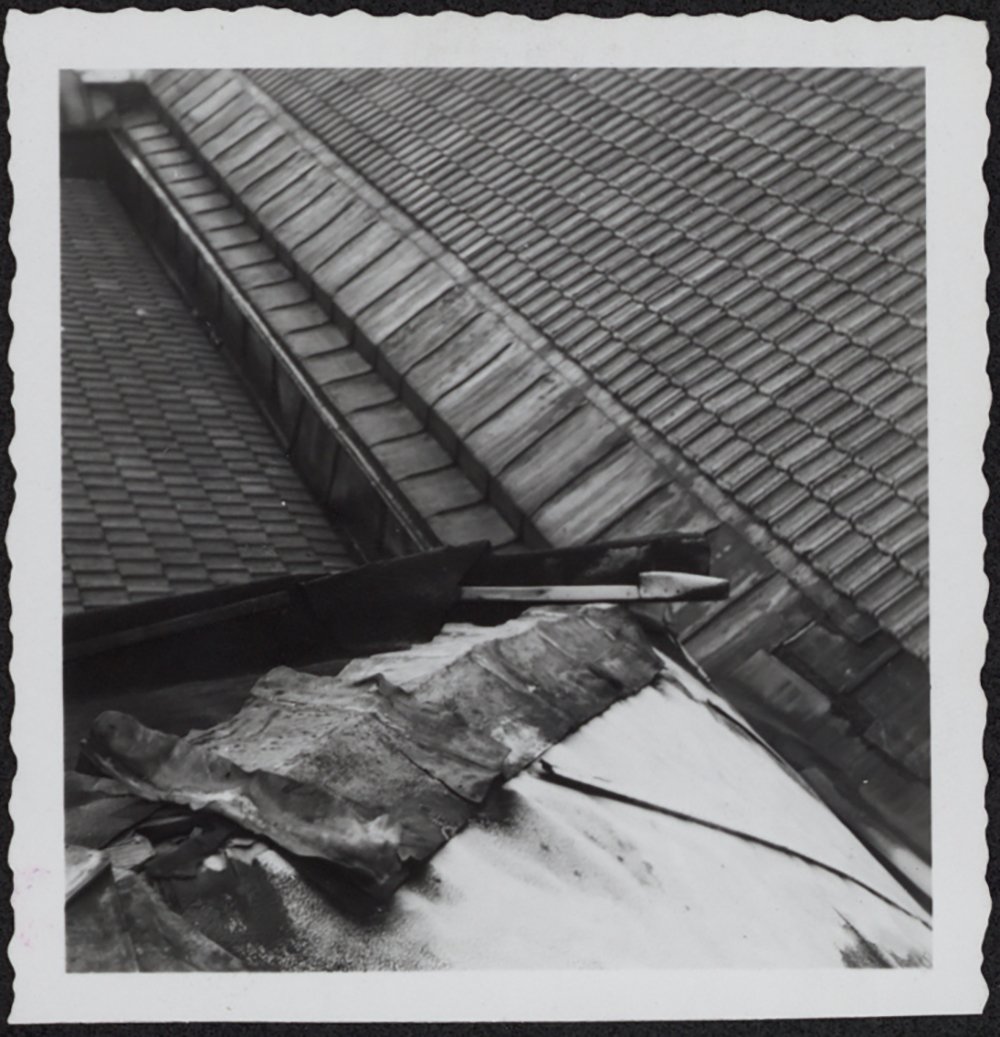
column 662, row 832
column 371, row 774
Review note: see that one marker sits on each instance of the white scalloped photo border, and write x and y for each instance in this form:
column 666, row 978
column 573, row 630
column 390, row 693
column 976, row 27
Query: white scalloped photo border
column 953, row 52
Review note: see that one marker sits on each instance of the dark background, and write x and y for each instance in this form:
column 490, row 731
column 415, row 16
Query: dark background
column 986, row 11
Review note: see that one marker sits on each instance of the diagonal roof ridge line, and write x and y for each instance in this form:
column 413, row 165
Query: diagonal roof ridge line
column 802, row 572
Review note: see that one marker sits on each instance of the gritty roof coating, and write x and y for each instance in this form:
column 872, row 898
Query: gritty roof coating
column 737, row 255
column 172, row 483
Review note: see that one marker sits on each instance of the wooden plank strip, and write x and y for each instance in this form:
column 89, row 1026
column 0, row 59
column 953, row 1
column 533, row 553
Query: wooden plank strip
column 296, row 318
column 443, row 490
column 672, row 507
column 378, row 424
column 560, row 456
column 296, row 170
column 218, row 219
column 273, row 296
column 428, row 330
column 196, row 86
column 283, row 208
column 380, row 277
column 163, row 143
column 207, row 201
column 260, row 275
column 352, row 257
column 489, row 389
column 169, row 159
column 174, row 87
column 456, row 358
column 190, row 188
column 295, row 188
column 590, row 505
column 307, row 222
column 523, row 422
column 652, row 586
column 358, row 392
column 313, row 342
column 240, row 132
column 554, row 593
column 234, row 237
column 244, row 175
column 412, row 455
column 225, row 108
column 140, row 117
column 347, row 225
column 329, row 365
column 254, row 145
column 177, row 177
column 206, row 102
column 404, row 301
column 196, row 89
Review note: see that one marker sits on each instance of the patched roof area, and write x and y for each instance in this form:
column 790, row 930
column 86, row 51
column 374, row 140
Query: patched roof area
column 467, row 803
column 172, row 481
column 737, row 255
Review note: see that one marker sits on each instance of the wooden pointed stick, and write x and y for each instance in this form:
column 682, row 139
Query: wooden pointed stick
column 652, row 586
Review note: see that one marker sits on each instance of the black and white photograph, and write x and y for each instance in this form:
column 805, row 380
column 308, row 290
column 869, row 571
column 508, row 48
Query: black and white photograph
column 494, row 521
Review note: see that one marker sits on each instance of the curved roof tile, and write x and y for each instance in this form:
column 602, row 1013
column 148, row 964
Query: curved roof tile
column 736, row 254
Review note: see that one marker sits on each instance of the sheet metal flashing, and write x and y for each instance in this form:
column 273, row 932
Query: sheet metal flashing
column 373, row 770
column 697, row 847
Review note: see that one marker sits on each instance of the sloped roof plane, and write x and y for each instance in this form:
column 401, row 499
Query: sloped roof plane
column 172, row 483
column 737, row 255
column 559, row 306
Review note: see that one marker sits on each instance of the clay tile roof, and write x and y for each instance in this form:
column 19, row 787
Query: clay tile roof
column 751, row 238
column 172, row 483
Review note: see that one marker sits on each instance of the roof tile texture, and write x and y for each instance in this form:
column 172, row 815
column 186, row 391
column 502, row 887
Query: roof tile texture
column 386, row 283
column 172, row 483
column 737, row 255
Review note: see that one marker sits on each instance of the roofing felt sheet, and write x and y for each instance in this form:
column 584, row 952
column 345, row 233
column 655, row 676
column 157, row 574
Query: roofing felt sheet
column 736, row 254
column 722, row 859
column 372, row 775
column 172, row 482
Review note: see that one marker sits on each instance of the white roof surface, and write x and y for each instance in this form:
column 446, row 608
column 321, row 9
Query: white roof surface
column 555, row 877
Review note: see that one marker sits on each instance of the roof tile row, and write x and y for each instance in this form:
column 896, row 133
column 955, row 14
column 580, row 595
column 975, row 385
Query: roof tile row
column 171, row 482
column 708, row 244
column 322, row 224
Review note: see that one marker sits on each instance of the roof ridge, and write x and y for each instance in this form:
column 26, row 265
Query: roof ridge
column 774, row 542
